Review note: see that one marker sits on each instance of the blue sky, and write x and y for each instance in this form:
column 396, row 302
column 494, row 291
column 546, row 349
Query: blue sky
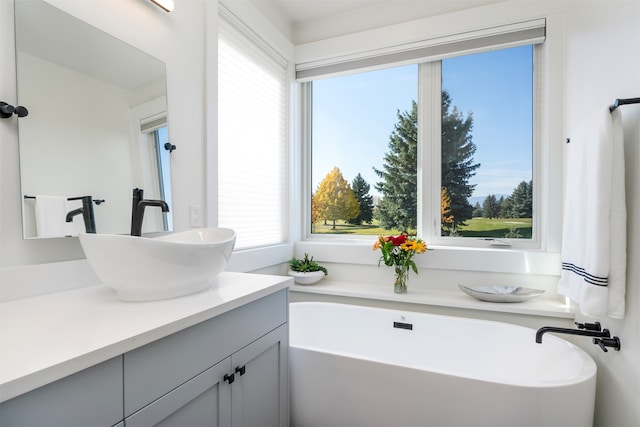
column 354, row 115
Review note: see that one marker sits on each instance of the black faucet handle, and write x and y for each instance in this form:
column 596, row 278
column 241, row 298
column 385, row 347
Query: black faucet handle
column 608, row 342
column 589, row 326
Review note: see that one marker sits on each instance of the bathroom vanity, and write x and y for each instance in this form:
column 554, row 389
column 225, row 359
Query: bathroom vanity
column 82, row 357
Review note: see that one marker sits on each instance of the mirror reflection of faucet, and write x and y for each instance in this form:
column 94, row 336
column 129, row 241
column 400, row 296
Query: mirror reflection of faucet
column 137, row 210
column 86, row 211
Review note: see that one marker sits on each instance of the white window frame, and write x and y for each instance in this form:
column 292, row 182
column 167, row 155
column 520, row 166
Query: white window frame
column 539, row 255
column 429, row 137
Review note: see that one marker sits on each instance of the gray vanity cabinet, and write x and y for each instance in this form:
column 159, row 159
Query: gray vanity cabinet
column 254, row 393
column 227, row 371
column 92, row 397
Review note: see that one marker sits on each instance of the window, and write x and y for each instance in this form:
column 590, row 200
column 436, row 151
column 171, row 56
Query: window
column 154, row 160
column 162, row 149
column 443, row 148
column 487, row 145
column 252, row 136
column 352, row 119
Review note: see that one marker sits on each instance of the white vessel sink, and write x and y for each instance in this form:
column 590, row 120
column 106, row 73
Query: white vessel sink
column 147, row 269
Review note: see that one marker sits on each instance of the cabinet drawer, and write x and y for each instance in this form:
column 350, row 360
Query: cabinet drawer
column 155, row 369
column 92, row 397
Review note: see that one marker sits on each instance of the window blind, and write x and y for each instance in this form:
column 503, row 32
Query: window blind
column 518, row 34
column 153, row 123
column 252, row 136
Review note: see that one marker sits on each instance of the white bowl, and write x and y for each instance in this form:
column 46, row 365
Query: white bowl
column 501, row 293
column 307, row 278
column 147, row 269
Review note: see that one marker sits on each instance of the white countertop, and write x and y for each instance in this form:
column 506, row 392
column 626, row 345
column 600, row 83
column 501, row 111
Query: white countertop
column 48, row 337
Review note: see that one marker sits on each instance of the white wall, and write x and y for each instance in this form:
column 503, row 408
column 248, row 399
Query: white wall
column 176, row 38
column 602, row 64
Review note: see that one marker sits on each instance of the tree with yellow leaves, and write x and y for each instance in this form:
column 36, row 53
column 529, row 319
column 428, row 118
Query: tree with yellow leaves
column 334, row 199
column 446, row 217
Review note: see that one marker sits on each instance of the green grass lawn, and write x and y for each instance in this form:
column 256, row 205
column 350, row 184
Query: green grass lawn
column 476, row 227
column 484, row 227
column 344, row 228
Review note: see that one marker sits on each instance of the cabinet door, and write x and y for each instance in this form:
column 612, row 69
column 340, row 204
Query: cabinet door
column 153, row 370
column 260, row 393
column 202, row 401
column 92, row 397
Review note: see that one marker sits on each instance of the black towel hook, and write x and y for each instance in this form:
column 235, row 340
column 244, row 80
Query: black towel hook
column 7, row 110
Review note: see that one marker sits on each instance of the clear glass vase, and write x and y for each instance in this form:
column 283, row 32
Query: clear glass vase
column 402, row 276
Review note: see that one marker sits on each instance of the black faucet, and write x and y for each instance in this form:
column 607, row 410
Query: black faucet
column 137, row 210
column 602, row 337
column 87, row 213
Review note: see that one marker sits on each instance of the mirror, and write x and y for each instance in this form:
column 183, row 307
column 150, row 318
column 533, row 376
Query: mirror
column 97, row 126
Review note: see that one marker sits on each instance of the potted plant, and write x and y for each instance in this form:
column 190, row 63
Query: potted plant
column 306, row 271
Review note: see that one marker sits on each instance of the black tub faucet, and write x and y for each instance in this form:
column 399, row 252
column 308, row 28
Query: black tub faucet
column 584, row 332
column 137, row 210
column 601, row 337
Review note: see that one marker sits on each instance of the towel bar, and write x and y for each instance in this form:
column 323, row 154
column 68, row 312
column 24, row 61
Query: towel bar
column 618, row 102
column 96, row 201
column 625, row 101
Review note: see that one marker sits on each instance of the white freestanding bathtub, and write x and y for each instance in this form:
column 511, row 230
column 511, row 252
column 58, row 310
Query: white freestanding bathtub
column 358, row 366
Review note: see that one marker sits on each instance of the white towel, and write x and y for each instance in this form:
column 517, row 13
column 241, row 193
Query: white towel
column 50, row 216
column 594, row 224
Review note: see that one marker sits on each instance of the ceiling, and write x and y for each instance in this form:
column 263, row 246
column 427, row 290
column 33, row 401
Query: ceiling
column 300, row 11
column 308, row 10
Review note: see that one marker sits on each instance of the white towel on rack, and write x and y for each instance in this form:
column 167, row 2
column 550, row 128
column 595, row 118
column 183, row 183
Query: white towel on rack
column 594, row 223
column 50, row 216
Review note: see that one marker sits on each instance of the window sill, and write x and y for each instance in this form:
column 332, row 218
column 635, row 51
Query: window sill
column 547, row 307
column 493, row 260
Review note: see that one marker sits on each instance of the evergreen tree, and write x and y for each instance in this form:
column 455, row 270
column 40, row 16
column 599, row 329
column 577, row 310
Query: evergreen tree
column 522, row 200
column 520, row 203
column 335, row 199
column 457, row 159
column 365, row 201
column 477, row 210
column 490, row 207
column 398, row 207
column 506, row 207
